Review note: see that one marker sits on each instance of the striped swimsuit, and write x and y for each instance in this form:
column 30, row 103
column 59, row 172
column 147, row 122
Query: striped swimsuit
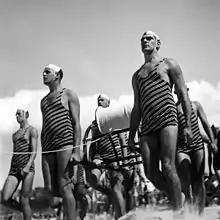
column 216, row 161
column 104, row 148
column 157, row 103
column 57, row 130
column 197, row 142
column 19, row 161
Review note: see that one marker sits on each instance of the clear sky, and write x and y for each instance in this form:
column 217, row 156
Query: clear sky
column 97, row 43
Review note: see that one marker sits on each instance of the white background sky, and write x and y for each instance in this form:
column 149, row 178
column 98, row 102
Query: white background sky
column 97, row 43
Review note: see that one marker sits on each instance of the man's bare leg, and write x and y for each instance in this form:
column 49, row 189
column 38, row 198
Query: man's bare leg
column 9, row 188
column 168, row 140
column 49, row 170
column 65, row 184
column 118, row 194
column 93, row 178
column 27, row 183
column 198, row 164
column 184, row 168
column 150, row 154
column 128, row 186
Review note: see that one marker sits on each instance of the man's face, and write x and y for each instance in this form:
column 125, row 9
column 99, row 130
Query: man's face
column 20, row 115
column 103, row 102
column 49, row 76
column 148, row 43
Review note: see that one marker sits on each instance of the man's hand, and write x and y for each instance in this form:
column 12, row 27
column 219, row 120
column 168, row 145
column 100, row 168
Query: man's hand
column 188, row 134
column 25, row 171
column 131, row 146
column 75, row 157
column 97, row 161
column 214, row 147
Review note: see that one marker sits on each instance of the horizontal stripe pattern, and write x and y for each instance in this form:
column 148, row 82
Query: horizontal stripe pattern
column 157, row 102
column 197, row 142
column 19, row 161
column 57, row 129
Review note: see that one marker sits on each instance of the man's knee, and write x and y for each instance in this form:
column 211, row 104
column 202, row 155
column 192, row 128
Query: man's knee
column 65, row 187
column 5, row 198
column 24, row 199
column 168, row 166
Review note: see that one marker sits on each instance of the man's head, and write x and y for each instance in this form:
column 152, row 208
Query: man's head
column 150, row 42
column 21, row 115
column 103, row 100
column 215, row 130
column 51, row 74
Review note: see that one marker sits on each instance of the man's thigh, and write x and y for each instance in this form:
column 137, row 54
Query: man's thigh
column 49, row 170
column 183, row 165
column 10, row 186
column 150, row 152
column 65, row 170
column 168, row 141
column 27, row 183
column 128, row 180
column 198, row 162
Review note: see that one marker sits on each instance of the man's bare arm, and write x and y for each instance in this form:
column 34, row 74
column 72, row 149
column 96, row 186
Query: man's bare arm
column 202, row 116
column 74, row 107
column 42, row 129
column 86, row 133
column 136, row 110
column 176, row 75
column 34, row 144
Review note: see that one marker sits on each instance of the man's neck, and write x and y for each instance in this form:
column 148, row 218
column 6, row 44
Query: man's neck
column 151, row 56
column 23, row 125
column 55, row 87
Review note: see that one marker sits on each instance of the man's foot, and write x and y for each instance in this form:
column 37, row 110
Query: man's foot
column 179, row 214
column 183, row 199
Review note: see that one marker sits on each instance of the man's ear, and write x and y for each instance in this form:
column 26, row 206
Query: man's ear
column 158, row 44
column 27, row 114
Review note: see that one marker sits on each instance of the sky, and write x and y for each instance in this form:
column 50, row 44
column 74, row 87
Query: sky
column 97, row 44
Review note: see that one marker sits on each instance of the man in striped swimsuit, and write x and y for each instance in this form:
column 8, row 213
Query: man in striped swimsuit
column 120, row 184
column 190, row 156
column 216, row 158
column 61, row 131
column 22, row 164
column 155, row 107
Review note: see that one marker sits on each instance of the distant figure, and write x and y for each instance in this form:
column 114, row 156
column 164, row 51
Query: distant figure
column 216, row 159
column 61, row 131
column 191, row 156
column 25, row 141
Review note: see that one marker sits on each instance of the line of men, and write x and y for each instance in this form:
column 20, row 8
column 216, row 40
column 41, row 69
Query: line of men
column 160, row 138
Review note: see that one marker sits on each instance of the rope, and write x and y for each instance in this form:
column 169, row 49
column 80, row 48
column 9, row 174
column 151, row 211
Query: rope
column 47, row 152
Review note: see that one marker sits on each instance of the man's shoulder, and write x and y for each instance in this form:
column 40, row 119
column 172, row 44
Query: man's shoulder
column 135, row 74
column 33, row 130
column 69, row 92
column 196, row 104
column 44, row 98
column 71, row 95
column 170, row 62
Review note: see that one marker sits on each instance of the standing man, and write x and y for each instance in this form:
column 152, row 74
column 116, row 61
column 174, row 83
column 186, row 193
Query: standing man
column 121, row 184
column 191, row 156
column 216, row 159
column 22, row 164
column 155, row 107
column 61, row 132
